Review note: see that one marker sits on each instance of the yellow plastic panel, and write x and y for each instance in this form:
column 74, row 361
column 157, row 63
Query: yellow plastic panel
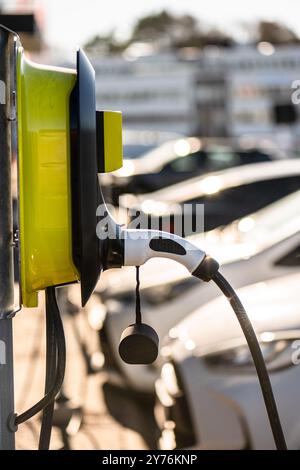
column 113, row 147
column 112, row 135
column 44, row 177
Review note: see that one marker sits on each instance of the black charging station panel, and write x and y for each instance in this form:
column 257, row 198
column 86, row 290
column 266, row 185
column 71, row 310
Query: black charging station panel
column 86, row 194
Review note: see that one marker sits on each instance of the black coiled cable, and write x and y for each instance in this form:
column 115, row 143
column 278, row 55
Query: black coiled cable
column 51, row 365
column 55, row 369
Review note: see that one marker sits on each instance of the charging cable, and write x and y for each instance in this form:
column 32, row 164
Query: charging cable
column 55, row 370
column 138, row 246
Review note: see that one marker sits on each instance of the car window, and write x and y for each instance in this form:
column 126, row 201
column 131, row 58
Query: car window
column 220, row 159
column 253, row 156
column 232, row 203
column 292, row 258
column 189, row 163
column 263, row 191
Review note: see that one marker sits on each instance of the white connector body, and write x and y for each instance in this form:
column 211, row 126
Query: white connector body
column 141, row 245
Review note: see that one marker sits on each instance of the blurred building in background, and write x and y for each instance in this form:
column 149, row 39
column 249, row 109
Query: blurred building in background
column 25, row 25
column 219, row 92
column 209, row 91
column 155, row 92
column 25, row 18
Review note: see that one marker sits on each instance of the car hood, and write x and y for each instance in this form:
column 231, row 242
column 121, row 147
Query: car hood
column 273, row 305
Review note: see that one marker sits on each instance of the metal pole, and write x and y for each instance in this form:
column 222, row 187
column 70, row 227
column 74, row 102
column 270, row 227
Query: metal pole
column 7, row 93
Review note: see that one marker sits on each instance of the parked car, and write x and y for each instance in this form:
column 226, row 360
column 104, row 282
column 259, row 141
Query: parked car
column 185, row 157
column 208, row 391
column 214, row 199
column 138, row 143
column 252, row 249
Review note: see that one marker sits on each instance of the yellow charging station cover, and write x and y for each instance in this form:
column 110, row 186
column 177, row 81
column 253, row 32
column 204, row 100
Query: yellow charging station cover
column 43, row 95
column 109, row 141
column 113, row 140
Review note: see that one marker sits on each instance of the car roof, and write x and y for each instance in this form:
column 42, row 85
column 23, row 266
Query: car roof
column 172, row 148
column 218, row 181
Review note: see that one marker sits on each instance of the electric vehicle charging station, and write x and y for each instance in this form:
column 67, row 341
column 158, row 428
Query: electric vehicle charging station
column 59, row 159
column 48, row 115
column 62, row 146
column 7, row 114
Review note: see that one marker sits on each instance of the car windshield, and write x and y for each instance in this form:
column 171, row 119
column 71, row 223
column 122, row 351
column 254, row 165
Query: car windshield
column 170, row 150
column 220, row 158
column 269, row 225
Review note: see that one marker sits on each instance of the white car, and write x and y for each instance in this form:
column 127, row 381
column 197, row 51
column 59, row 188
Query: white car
column 226, row 195
column 183, row 157
column 252, row 249
column 137, row 143
column 208, row 391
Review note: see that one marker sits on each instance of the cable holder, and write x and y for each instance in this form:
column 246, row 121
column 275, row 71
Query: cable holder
column 139, row 342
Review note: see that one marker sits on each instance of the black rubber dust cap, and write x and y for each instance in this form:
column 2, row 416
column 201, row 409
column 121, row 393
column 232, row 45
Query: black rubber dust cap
column 139, row 344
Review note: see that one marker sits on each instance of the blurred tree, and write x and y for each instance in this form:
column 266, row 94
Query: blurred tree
column 177, row 31
column 163, row 26
column 106, row 44
column 276, row 33
column 211, row 37
column 165, row 30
